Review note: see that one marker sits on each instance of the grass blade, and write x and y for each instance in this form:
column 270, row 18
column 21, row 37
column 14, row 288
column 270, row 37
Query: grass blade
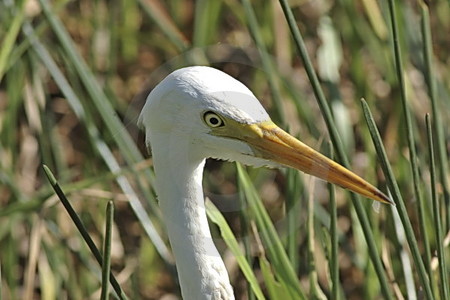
column 274, row 288
column 410, row 138
column 8, row 41
column 155, row 10
column 405, row 108
column 105, row 109
column 121, row 136
column 315, row 290
column 76, row 220
column 246, row 224
column 216, row 217
column 340, row 153
column 106, row 265
column 276, row 253
column 437, row 215
column 421, row 204
column 128, row 37
column 376, row 18
column 401, row 208
column 405, row 261
column 293, row 195
column 48, row 114
column 207, row 12
column 100, row 145
column 1, row 280
column 334, row 263
column 437, row 121
column 265, row 59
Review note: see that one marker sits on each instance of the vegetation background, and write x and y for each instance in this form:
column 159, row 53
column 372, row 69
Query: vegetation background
column 74, row 75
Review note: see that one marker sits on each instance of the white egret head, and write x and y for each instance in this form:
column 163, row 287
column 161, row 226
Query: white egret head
column 200, row 112
column 223, row 119
column 208, row 106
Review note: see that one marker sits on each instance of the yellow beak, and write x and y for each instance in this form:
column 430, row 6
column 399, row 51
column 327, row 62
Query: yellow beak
column 271, row 142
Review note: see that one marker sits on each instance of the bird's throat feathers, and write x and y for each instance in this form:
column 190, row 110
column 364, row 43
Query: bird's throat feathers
column 179, row 187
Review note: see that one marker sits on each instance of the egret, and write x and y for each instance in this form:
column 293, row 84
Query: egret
column 200, row 112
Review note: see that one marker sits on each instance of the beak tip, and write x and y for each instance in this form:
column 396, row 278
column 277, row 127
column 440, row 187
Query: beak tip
column 391, row 202
column 383, row 198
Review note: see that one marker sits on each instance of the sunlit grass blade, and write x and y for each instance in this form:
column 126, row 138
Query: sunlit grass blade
column 273, row 246
column 437, row 215
column 403, row 254
column 245, row 222
column 274, row 288
column 340, row 153
column 106, row 264
column 376, row 18
column 315, row 290
column 77, row 221
column 32, row 258
column 438, row 125
column 424, row 219
column 401, row 208
column 47, row 279
column 216, row 217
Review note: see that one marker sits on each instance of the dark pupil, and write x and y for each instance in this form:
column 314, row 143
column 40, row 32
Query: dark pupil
column 214, row 121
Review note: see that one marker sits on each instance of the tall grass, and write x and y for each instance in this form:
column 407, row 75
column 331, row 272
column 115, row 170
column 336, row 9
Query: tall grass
column 74, row 75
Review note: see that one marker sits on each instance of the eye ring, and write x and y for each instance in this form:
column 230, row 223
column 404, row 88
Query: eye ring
column 212, row 119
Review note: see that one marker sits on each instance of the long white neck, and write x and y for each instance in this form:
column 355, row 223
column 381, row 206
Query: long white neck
column 201, row 271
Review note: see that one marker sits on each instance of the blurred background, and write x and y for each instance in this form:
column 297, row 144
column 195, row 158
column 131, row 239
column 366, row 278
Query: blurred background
column 75, row 74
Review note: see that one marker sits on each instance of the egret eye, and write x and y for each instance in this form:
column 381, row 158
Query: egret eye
column 212, row 119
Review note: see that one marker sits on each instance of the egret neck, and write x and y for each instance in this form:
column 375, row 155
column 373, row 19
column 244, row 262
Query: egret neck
column 179, row 171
